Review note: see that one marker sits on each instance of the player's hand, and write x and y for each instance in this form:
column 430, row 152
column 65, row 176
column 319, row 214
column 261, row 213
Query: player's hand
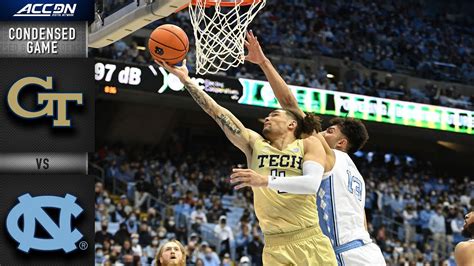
column 247, row 178
column 181, row 72
column 255, row 54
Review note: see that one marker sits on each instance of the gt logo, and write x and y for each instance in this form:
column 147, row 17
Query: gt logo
column 59, row 114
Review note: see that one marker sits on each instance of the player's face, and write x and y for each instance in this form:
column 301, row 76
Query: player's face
column 171, row 255
column 333, row 137
column 468, row 228
column 277, row 122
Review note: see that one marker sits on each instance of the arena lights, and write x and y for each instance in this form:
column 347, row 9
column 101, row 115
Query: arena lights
column 110, row 90
column 259, row 93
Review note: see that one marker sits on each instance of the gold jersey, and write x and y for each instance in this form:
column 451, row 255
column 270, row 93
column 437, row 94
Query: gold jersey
column 280, row 212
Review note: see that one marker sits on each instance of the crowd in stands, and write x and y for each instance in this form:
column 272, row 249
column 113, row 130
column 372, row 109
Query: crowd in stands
column 409, row 39
column 387, row 35
column 413, row 214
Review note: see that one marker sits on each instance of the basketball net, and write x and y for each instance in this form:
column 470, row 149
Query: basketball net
column 220, row 28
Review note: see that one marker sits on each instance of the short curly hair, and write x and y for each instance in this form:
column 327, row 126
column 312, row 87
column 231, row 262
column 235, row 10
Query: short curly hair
column 354, row 130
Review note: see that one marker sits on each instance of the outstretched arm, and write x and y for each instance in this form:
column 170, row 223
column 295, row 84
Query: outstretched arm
column 279, row 86
column 235, row 131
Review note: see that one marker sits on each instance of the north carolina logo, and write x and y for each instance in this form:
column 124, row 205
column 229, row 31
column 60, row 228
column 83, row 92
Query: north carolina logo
column 59, row 114
column 31, row 208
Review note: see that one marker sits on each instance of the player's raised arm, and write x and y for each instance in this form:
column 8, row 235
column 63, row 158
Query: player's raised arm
column 235, row 131
column 280, row 88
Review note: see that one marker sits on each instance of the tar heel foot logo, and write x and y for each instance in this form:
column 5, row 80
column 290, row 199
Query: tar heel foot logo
column 59, row 114
column 47, row 10
column 31, row 208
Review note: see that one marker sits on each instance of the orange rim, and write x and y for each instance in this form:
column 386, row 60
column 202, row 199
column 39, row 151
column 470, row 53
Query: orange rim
column 227, row 3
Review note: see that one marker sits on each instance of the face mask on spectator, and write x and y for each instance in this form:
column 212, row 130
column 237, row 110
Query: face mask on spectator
column 99, row 254
column 133, row 218
column 161, row 234
column 107, row 201
column 154, row 242
column 134, row 241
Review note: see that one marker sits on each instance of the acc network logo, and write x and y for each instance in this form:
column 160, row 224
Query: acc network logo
column 47, row 10
column 31, row 209
column 59, row 114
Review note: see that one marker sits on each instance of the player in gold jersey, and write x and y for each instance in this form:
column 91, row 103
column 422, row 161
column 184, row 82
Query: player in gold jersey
column 289, row 221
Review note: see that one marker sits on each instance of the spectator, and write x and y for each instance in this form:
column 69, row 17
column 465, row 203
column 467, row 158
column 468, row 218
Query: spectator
column 153, row 218
column 126, row 250
column 122, row 234
column 457, row 226
column 206, row 186
column 226, row 260
column 242, row 240
column 425, row 217
column 192, row 248
column 132, row 225
column 162, row 235
column 100, row 194
column 136, row 247
column 99, row 254
column 223, row 232
column 410, row 217
column 200, row 252
column 255, row 249
column 215, row 212
column 102, row 235
column 145, row 237
column 449, row 231
column 210, row 258
column 199, row 262
column 244, row 261
column 437, row 226
column 151, row 250
column 198, row 217
column 141, row 194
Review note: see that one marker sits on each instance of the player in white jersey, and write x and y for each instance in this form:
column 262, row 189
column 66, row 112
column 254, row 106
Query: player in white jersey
column 341, row 197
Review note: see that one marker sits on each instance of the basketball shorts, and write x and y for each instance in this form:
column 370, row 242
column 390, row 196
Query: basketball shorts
column 305, row 247
column 369, row 254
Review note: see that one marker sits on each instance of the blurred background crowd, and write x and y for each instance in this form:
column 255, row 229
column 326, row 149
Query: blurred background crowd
column 150, row 195
column 393, row 36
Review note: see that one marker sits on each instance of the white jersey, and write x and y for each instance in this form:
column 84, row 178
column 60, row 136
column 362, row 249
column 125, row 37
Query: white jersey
column 341, row 201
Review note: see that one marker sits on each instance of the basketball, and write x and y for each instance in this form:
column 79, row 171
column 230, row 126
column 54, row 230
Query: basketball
column 168, row 43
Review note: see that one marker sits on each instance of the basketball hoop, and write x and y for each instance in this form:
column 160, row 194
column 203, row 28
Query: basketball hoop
column 220, row 27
